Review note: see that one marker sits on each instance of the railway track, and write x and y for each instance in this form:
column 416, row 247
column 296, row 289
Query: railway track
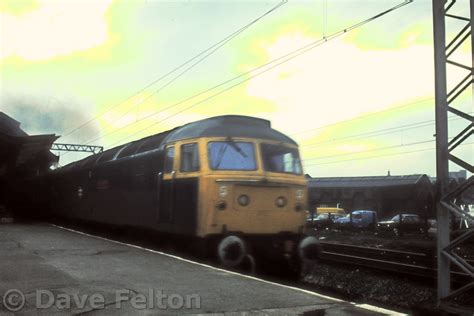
column 422, row 264
column 405, row 262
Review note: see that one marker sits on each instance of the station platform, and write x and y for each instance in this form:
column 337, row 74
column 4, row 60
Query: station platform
column 46, row 269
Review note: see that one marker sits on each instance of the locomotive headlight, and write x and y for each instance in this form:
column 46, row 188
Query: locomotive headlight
column 243, row 200
column 223, row 191
column 280, row 201
column 299, row 194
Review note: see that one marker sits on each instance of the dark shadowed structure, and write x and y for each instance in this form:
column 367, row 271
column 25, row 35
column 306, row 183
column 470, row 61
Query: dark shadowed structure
column 21, row 157
column 387, row 195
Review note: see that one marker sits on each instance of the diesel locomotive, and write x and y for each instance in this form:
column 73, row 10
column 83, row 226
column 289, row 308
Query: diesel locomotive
column 229, row 182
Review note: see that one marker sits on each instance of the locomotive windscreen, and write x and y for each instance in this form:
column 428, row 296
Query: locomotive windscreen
column 230, row 155
column 282, row 159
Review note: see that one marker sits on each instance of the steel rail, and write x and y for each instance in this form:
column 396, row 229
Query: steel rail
column 421, row 264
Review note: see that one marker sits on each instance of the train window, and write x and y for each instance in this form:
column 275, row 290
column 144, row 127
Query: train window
column 189, row 158
column 151, row 143
column 169, row 159
column 129, row 150
column 108, row 154
column 277, row 158
column 231, row 155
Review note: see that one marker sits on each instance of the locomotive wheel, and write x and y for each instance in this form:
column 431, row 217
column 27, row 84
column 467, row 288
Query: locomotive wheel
column 249, row 264
column 308, row 249
column 231, row 251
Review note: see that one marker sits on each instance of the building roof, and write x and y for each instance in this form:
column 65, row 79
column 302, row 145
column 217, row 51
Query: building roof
column 9, row 126
column 376, row 181
column 35, row 147
column 22, row 149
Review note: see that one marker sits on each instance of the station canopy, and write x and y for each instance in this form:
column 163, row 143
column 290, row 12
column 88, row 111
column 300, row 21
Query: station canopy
column 21, row 153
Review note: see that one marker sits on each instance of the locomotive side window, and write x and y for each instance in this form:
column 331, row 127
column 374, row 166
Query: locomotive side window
column 231, row 155
column 277, row 158
column 189, row 158
column 169, row 159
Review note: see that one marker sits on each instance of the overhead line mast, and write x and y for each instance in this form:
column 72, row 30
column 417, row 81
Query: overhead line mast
column 445, row 201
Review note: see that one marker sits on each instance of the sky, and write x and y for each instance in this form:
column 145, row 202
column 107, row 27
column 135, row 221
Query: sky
column 358, row 104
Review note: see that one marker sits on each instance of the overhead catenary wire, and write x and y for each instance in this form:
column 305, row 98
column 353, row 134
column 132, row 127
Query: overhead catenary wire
column 271, row 64
column 371, row 150
column 283, row 59
column 378, row 156
column 223, row 91
column 362, row 116
column 379, row 148
column 370, row 134
column 379, row 132
column 207, row 52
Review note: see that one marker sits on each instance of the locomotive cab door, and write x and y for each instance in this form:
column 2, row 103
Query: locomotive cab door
column 178, row 188
column 166, row 187
column 186, row 187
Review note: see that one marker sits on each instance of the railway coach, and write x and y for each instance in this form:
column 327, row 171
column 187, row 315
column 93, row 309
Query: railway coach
column 231, row 183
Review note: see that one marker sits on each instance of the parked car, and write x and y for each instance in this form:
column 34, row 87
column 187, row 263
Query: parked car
column 358, row 219
column 324, row 220
column 409, row 223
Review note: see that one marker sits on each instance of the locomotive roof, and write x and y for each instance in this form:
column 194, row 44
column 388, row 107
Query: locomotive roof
column 218, row 126
column 228, row 126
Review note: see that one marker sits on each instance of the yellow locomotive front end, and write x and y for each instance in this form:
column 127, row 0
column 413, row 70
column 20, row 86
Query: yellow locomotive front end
column 237, row 185
column 252, row 187
column 253, row 197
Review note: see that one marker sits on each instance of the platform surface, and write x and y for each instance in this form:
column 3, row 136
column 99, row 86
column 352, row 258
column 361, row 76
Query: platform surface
column 62, row 272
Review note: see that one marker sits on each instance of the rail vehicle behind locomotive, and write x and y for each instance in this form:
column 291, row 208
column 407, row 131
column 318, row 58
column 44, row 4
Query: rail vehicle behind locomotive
column 232, row 182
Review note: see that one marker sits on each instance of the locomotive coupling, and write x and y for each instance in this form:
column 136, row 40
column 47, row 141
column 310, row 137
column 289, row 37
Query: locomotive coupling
column 308, row 249
column 231, row 251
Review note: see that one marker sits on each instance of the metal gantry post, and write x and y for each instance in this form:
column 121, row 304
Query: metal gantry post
column 442, row 171
column 447, row 203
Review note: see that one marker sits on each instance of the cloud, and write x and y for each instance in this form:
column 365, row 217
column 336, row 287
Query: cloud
column 55, row 28
column 342, row 80
column 18, row 7
column 339, row 81
column 43, row 115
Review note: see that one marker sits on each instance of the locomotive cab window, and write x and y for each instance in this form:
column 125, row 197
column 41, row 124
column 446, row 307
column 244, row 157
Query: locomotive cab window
column 231, row 155
column 282, row 159
column 189, row 158
column 169, row 160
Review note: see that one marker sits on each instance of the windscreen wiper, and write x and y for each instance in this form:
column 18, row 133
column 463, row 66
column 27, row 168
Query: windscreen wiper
column 220, row 156
column 234, row 145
